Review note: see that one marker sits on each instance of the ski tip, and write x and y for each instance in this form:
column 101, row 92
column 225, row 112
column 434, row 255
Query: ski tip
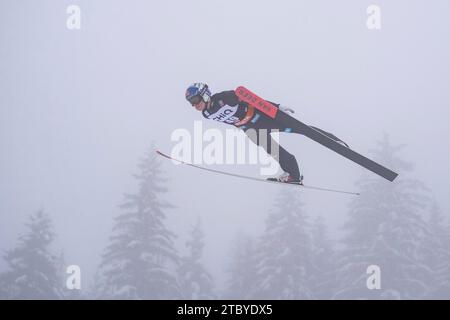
column 393, row 176
column 162, row 154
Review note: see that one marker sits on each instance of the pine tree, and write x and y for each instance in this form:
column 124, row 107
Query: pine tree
column 386, row 228
column 285, row 252
column 242, row 270
column 140, row 261
column 439, row 260
column 195, row 280
column 322, row 279
column 33, row 268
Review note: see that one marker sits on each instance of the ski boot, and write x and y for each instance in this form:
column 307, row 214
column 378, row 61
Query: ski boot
column 287, row 178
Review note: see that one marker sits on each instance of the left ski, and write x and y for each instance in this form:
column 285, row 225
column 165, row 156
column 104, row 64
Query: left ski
column 256, row 179
column 311, row 132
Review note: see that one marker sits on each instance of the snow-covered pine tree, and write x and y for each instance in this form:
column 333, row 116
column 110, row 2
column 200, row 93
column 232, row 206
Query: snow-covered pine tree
column 386, row 228
column 195, row 281
column 33, row 269
column 322, row 279
column 284, row 251
column 242, row 269
column 439, row 261
column 140, row 261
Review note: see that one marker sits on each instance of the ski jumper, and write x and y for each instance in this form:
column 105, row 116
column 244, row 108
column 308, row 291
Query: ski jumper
column 226, row 107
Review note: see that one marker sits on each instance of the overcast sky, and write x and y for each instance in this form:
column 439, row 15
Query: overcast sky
column 78, row 108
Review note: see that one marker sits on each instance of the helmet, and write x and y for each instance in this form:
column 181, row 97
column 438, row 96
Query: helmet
column 198, row 91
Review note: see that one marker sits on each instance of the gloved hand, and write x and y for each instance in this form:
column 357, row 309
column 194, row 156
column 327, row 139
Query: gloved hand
column 286, row 109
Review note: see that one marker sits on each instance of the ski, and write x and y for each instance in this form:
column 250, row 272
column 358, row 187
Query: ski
column 285, row 119
column 254, row 178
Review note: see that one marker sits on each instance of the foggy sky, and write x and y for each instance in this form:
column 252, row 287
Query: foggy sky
column 79, row 108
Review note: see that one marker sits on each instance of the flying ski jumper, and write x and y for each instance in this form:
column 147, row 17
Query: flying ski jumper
column 245, row 110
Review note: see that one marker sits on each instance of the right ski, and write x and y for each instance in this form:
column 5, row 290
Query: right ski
column 255, row 179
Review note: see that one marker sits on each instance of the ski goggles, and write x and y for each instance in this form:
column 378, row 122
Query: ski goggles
column 195, row 100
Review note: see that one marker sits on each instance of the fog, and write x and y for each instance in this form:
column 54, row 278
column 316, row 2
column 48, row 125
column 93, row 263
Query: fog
column 80, row 108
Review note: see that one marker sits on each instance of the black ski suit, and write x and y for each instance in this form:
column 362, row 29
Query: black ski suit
column 226, row 107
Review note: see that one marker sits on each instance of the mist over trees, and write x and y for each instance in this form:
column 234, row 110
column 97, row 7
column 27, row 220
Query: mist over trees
column 387, row 228
column 140, row 261
column 284, row 251
column 395, row 226
column 241, row 268
column 195, row 281
column 33, row 269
